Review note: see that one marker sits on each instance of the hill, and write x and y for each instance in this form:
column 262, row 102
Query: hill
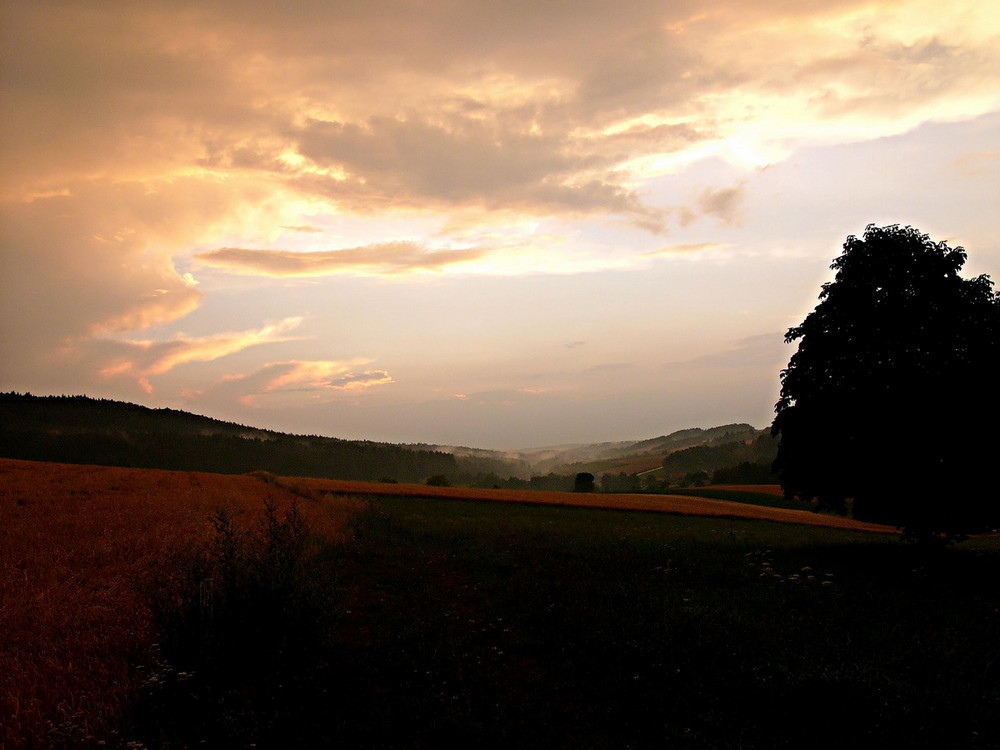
column 601, row 457
column 710, row 457
column 679, row 453
column 78, row 429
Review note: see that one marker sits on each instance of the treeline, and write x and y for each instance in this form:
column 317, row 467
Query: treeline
column 735, row 462
column 710, row 458
column 78, row 429
column 550, row 482
column 745, row 472
column 741, row 461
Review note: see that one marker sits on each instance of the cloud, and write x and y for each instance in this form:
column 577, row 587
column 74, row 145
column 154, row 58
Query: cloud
column 84, row 262
column 88, row 267
column 557, row 110
column 410, row 162
column 692, row 249
column 303, row 228
column 94, row 261
column 143, row 359
column 358, row 380
column 292, row 381
column 386, row 258
column 319, row 375
column 472, row 104
column 433, row 160
column 723, row 204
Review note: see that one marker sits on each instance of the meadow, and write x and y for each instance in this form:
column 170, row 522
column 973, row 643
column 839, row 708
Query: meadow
column 395, row 621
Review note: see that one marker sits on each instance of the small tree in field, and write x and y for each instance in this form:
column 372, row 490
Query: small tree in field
column 891, row 396
column 583, row 482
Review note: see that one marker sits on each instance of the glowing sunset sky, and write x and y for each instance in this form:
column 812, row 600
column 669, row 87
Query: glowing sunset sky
column 487, row 223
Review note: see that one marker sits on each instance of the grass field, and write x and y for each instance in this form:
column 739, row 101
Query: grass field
column 441, row 622
column 577, row 628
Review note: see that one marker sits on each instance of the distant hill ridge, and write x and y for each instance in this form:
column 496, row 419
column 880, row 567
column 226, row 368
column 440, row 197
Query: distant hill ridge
column 77, row 414
column 80, row 429
column 637, row 455
column 698, row 436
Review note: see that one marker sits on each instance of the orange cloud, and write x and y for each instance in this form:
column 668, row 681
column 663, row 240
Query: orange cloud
column 147, row 358
column 317, row 378
column 355, row 381
column 336, row 375
column 382, row 259
column 303, row 228
column 160, row 305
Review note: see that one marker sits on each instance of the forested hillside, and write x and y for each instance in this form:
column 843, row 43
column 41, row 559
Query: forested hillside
column 78, row 429
column 761, row 450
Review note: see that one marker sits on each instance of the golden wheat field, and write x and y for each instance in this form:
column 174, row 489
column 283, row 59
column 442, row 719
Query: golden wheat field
column 75, row 543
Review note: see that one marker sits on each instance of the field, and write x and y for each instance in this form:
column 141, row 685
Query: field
column 428, row 617
column 75, row 545
column 707, row 501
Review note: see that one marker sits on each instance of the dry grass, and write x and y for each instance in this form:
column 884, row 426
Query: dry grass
column 75, row 543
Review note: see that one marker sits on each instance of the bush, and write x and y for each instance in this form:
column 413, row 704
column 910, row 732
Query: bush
column 243, row 622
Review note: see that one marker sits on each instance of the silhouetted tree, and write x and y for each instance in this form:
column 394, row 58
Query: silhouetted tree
column 744, row 472
column 695, row 479
column 894, row 379
column 584, row 482
column 620, row 482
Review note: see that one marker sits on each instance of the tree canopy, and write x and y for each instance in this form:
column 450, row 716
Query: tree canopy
column 890, row 397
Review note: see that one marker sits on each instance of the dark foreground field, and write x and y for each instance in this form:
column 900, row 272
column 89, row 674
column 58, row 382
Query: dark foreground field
column 444, row 622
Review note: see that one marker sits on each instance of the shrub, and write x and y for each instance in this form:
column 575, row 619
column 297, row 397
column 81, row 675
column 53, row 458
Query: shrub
column 243, row 622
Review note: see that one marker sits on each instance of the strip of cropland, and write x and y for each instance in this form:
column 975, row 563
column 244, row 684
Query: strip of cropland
column 677, row 504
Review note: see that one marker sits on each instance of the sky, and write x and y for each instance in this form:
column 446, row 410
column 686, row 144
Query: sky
column 496, row 224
